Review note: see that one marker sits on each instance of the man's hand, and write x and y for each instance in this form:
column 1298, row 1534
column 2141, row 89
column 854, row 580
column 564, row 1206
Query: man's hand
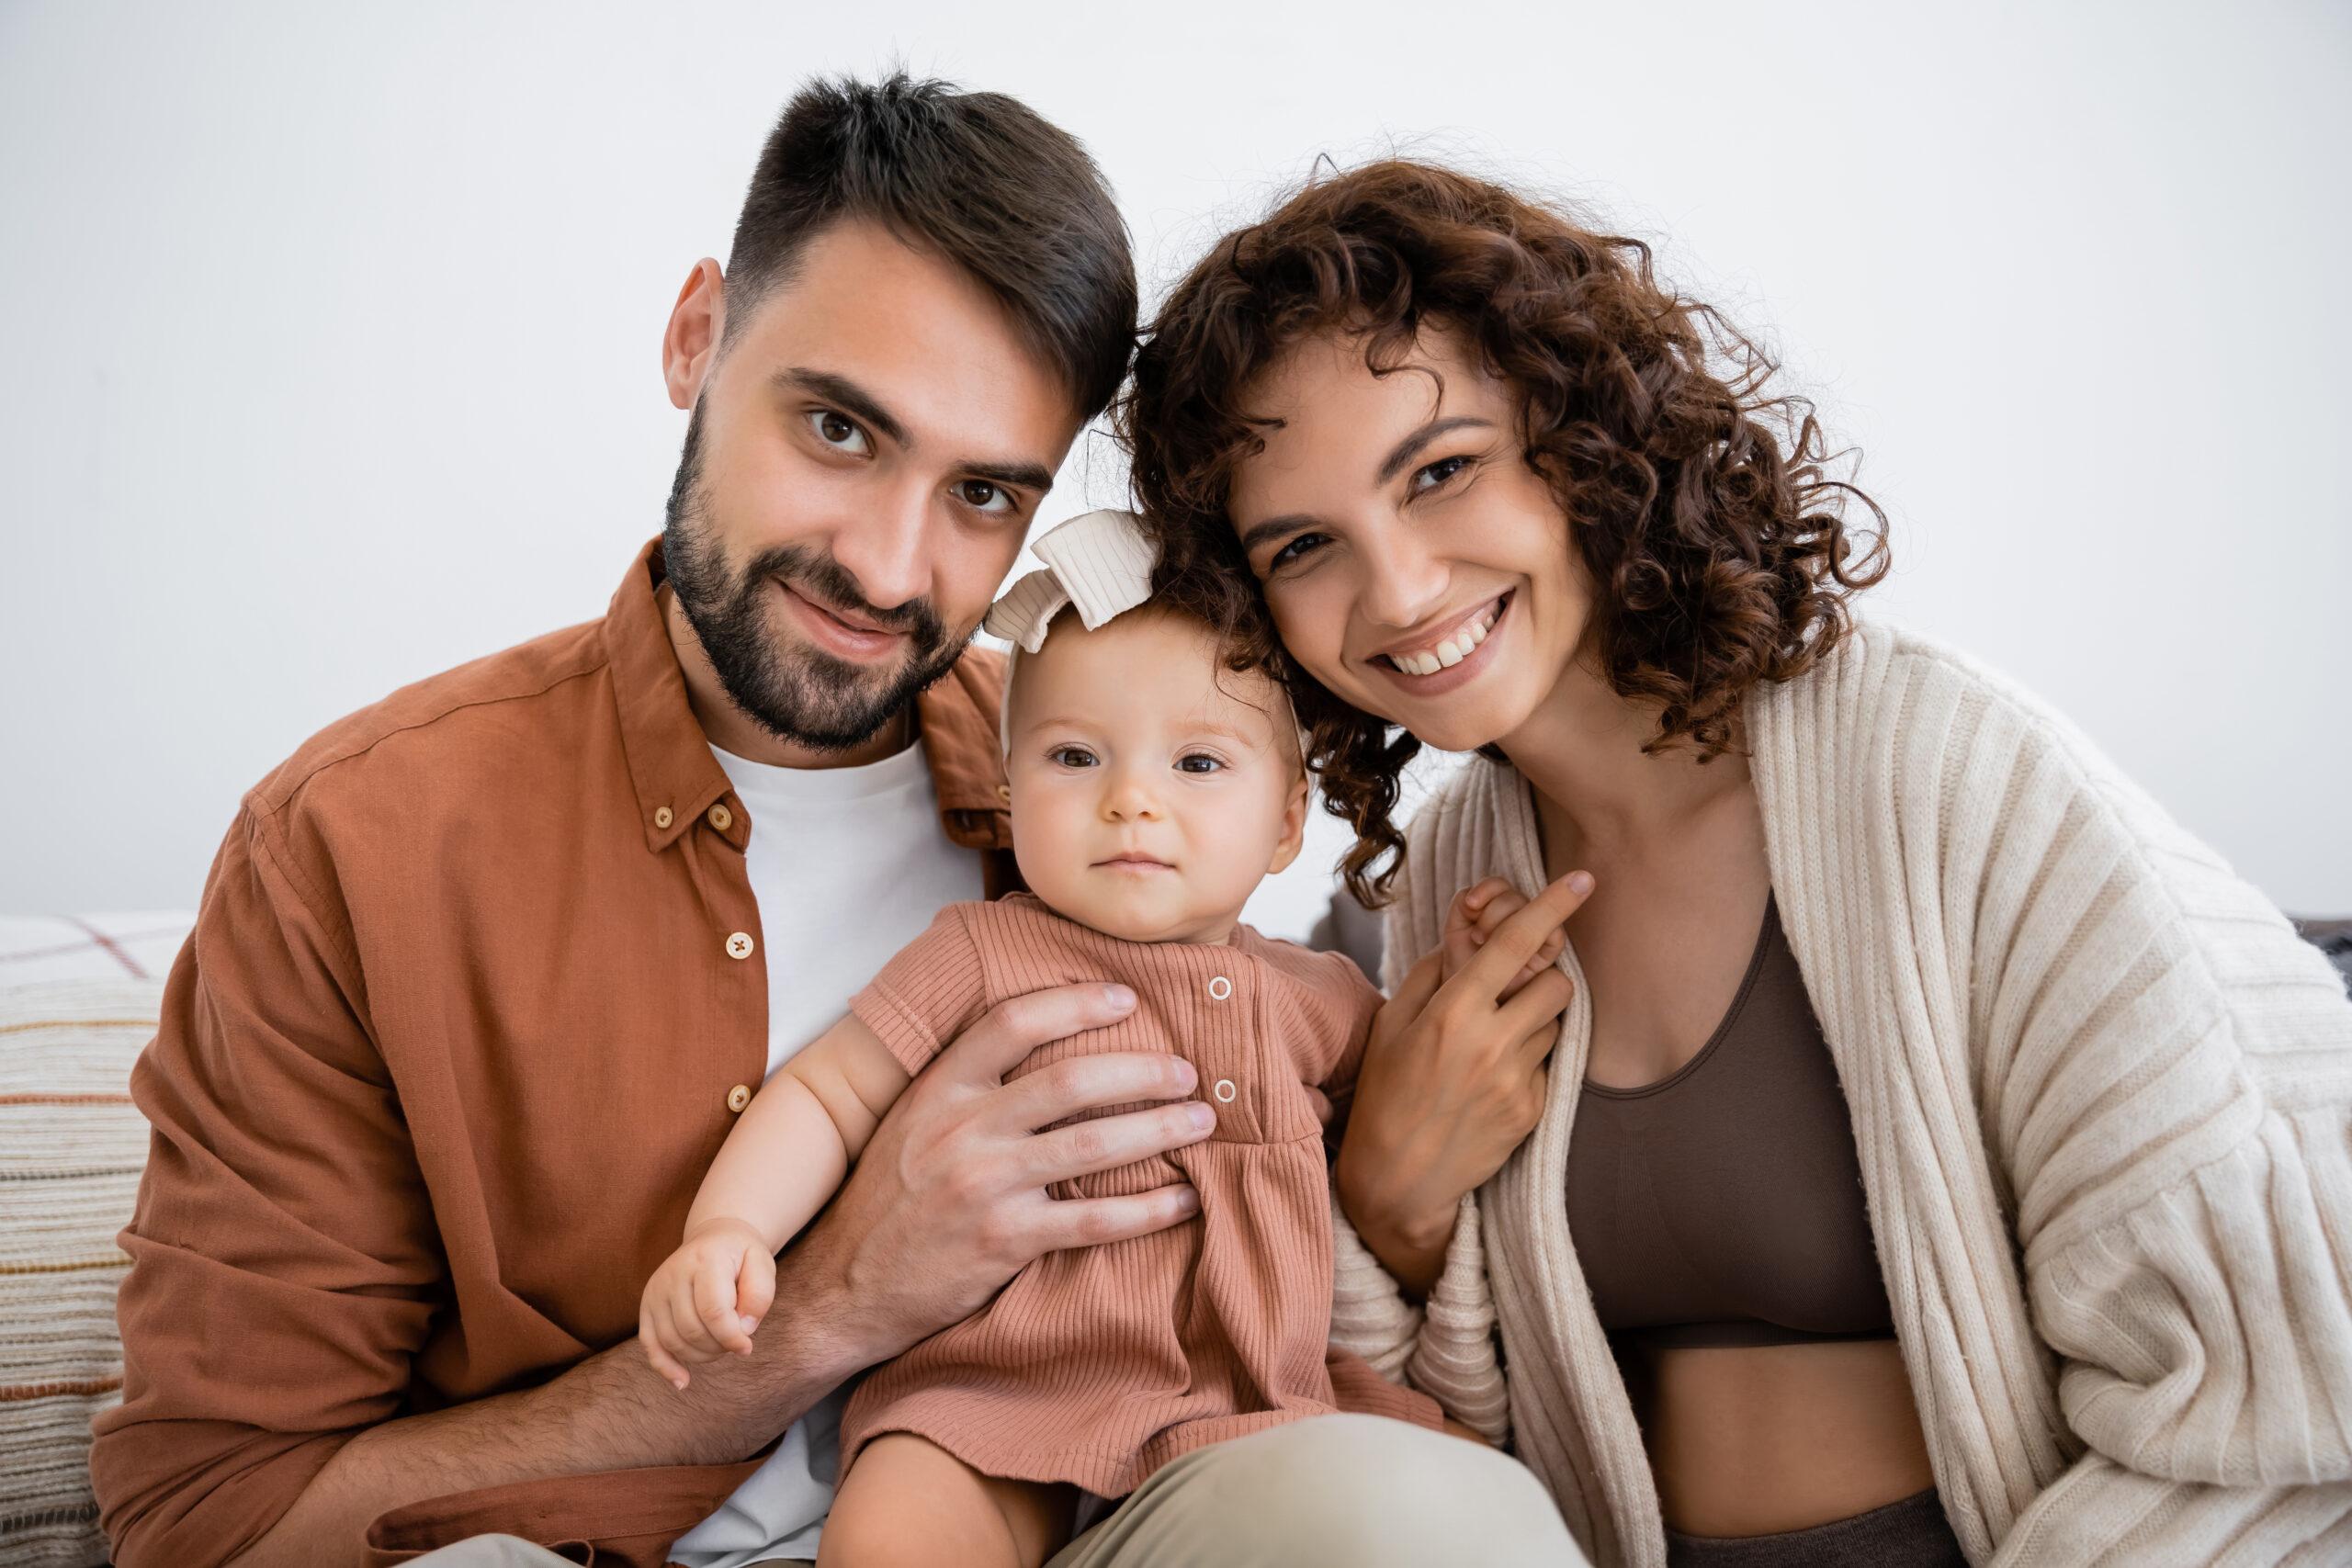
column 949, row 1200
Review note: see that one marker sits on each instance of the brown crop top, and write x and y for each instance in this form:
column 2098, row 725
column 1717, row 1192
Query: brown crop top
column 1723, row 1204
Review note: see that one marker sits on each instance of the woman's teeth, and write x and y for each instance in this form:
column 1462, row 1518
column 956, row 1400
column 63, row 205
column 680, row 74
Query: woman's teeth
column 1453, row 650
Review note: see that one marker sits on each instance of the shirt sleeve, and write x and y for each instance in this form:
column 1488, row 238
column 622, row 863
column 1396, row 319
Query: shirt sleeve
column 927, row 994
column 283, row 1263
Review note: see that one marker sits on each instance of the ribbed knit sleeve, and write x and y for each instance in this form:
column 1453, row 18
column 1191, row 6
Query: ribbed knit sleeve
column 928, row 994
column 1447, row 1349
column 2163, row 1078
column 2173, row 1100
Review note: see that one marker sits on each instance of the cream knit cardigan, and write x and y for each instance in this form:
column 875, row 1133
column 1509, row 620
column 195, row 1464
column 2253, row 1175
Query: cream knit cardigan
column 2100, row 1093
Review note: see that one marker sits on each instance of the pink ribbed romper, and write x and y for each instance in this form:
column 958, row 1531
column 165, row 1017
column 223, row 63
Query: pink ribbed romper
column 1101, row 1364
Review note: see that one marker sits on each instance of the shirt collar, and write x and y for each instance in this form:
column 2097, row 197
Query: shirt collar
column 676, row 778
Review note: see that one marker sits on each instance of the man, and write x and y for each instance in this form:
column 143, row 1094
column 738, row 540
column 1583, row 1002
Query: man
column 483, row 973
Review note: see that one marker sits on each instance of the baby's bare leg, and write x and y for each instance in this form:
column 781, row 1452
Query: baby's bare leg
column 909, row 1501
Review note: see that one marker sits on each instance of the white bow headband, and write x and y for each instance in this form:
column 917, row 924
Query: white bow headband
column 1099, row 564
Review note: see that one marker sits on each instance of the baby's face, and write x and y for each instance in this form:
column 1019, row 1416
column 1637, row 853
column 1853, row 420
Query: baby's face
column 1152, row 789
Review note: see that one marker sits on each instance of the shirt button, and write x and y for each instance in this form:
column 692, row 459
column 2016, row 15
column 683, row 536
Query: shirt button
column 739, row 946
column 1224, row 1091
column 1220, row 987
column 721, row 819
column 662, row 818
column 1004, row 792
column 737, row 1097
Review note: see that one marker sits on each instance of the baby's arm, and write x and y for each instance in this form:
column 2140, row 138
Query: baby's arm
column 784, row 1159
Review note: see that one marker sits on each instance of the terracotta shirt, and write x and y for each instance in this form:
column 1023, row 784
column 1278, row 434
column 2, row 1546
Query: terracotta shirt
column 1097, row 1365
column 473, row 998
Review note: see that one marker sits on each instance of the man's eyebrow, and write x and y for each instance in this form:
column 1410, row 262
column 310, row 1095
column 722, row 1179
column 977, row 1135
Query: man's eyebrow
column 1404, row 452
column 847, row 396
column 856, row 401
column 1016, row 476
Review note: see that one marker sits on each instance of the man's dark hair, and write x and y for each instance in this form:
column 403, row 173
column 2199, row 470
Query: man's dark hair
column 979, row 178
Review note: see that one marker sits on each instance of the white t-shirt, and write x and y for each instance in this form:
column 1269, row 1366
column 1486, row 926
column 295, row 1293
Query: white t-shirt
column 848, row 866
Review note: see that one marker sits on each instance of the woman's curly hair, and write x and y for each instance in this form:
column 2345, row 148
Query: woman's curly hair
column 1701, row 507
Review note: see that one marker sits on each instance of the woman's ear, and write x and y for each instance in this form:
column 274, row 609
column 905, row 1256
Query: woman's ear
column 1294, row 837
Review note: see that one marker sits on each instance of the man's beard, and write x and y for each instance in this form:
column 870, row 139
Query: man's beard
column 797, row 694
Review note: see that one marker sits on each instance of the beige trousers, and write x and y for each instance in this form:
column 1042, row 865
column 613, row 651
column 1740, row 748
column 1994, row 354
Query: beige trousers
column 1332, row 1492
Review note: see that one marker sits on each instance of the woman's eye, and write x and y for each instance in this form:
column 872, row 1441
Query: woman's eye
column 1071, row 756
column 1435, row 474
column 1294, row 552
column 1199, row 763
column 982, row 496
column 838, row 431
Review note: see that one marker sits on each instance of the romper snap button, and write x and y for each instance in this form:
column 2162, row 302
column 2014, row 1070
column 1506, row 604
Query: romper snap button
column 1220, row 987
column 1224, row 1091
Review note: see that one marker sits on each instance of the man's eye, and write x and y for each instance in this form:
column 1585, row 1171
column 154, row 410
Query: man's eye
column 1294, row 552
column 1071, row 756
column 838, row 431
column 1435, row 474
column 982, row 496
column 1199, row 763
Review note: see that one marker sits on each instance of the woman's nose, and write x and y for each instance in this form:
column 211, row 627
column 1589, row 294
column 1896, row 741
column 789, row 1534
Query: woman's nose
column 1404, row 580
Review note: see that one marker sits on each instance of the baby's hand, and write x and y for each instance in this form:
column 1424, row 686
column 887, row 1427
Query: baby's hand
column 1475, row 914
column 706, row 1300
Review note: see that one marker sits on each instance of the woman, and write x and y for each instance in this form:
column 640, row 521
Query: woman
column 1942, row 1155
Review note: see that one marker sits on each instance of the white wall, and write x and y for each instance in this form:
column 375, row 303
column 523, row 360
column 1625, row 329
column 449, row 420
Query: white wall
column 330, row 332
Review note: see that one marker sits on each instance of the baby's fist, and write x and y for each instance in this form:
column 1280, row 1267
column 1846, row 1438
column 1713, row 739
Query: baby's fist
column 706, row 1298
column 1477, row 913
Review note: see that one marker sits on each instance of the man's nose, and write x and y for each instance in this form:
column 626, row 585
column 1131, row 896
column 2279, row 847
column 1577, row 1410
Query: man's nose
column 1405, row 581
column 887, row 546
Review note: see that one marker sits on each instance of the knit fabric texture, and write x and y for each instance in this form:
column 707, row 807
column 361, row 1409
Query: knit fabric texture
column 72, row 1146
column 1097, row 1365
column 2102, row 1095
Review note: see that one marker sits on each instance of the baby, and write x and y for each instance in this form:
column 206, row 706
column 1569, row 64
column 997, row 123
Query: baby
column 1153, row 787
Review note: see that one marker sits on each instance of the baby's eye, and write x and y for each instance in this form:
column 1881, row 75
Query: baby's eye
column 1071, row 757
column 1199, row 763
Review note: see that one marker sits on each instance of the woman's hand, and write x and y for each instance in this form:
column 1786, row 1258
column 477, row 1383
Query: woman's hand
column 1475, row 914
column 1453, row 1076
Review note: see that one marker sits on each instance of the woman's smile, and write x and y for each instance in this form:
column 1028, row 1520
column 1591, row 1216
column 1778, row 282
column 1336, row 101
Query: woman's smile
column 1429, row 666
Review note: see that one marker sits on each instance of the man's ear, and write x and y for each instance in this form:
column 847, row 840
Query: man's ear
column 1294, row 837
column 697, row 323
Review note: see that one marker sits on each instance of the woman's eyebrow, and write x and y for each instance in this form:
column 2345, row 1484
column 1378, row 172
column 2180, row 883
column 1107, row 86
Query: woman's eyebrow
column 1405, row 451
column 1259, row 533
